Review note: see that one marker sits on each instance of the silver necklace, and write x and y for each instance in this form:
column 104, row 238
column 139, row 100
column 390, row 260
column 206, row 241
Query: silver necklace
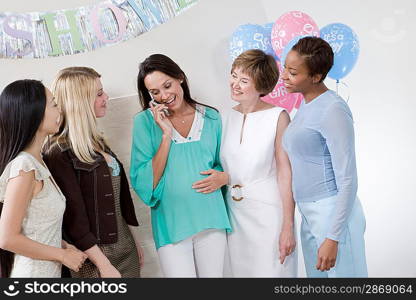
column 182, row 121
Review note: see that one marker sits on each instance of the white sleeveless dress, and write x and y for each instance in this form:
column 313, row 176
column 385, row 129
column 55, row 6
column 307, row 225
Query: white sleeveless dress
column 43, row 219
column 256, row 218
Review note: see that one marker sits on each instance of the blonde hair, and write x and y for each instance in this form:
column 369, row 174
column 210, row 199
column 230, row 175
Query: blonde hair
column 261, row 67
column 75, row 90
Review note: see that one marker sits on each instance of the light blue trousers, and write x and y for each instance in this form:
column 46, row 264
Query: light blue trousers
column 351, row 261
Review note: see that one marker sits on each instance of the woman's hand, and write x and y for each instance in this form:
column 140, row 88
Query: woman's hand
column 287, row 242
column 73, row 258
column 66, row 245
column 327, row 255
column 98, row 258
column 109, row 271
column 214, row 181
column 160, row 118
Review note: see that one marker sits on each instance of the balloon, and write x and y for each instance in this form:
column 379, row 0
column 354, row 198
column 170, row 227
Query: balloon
column 281, row 97
column 250, row 36
column 289, row 47
column 344, row 43
column 268, row 33
column 290, row 25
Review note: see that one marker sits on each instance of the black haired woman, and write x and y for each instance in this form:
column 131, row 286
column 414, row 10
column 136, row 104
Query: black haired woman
column 32, row 205
column 320, row 145
column 176, row 145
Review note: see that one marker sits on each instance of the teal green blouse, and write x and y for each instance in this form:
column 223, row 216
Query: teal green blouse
column 177, row 210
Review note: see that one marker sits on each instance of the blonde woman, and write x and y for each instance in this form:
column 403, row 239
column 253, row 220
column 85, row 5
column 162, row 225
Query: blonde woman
column 99, row 205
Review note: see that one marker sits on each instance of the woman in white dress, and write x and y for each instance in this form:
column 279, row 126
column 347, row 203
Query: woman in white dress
column 31, row 204
column 259, row 195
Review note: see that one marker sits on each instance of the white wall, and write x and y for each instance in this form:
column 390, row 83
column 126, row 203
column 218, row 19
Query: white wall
column 198, row 40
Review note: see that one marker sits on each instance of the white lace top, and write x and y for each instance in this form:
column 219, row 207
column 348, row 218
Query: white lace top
column 43, row 219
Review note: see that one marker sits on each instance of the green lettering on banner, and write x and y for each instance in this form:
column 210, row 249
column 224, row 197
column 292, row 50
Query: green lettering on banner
column 185, row 3
column 54, row 33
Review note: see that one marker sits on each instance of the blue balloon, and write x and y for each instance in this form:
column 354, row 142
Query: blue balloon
column 268, row 41
column 344, row 43
column 250, row 36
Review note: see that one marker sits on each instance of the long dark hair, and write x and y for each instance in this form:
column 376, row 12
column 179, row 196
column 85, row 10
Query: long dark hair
column 22, row 108
column 164, row 64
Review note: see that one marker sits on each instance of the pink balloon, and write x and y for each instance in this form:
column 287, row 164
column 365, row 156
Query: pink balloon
column 290, row 25
column 281, row 97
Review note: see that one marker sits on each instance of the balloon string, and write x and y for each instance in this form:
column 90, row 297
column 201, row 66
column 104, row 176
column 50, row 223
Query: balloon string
column 337, row 86
column 346, row 86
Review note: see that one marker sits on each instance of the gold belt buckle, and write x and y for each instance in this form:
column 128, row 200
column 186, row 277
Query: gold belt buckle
column 236, row 190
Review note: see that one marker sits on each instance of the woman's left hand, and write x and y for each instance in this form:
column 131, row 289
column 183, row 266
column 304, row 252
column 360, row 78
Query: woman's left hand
column 214, row 181
column 327, row 255
column 66, row 245
column 287, row 243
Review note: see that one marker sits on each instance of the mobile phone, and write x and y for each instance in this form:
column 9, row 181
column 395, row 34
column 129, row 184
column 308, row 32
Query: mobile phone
column 154, row 103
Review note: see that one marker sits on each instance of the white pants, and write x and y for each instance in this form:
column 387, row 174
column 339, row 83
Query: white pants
column 201, row 255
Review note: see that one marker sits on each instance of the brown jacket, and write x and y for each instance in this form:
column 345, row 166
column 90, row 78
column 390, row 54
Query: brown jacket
column 89, row 217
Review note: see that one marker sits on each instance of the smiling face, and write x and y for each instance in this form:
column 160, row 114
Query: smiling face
column 52, row 117
column 242, row 87
column 100, row 102
column 165, row 89
column 296, row 76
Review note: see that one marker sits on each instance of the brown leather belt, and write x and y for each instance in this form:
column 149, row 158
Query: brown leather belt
column 240, row 197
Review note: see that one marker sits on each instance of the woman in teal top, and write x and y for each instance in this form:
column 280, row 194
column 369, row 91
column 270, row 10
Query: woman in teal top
column 175, row 169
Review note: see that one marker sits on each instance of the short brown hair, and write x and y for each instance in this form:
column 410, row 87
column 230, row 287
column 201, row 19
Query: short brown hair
column 317, row 53
column 261, row 67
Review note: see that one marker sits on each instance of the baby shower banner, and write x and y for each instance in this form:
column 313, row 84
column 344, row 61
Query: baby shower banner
column 72, row 31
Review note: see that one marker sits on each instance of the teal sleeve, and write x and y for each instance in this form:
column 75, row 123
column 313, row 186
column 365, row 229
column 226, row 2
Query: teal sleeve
column 218, row 127
column 217, row 165
column 217, row 162
column 142, row 152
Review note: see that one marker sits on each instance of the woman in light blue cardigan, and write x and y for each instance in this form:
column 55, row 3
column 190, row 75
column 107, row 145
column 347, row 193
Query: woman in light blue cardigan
column 320, row 145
